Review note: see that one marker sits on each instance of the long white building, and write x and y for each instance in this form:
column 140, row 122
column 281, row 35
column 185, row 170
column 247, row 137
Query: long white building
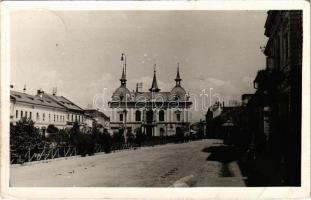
column 44, row 109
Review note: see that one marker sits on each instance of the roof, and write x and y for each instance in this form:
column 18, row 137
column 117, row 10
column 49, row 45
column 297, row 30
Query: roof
column 64, row 102
column 121, row 93
column 34, row 99
column 154, row 86
column 93, row 112
column 179, row 91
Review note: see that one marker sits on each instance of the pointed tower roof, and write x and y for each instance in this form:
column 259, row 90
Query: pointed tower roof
column 178, row 79
column 154, row 86
column 123, row 78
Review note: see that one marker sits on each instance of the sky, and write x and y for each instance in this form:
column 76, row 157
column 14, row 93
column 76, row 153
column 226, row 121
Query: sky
column 79, row 52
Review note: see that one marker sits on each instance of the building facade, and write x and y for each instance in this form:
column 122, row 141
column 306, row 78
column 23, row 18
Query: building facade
column 38, row 108
column 154, row 113
column 44, row 110
column 98, row 117
column 74, row 113
column 276, row 105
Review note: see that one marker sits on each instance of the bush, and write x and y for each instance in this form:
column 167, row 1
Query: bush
column 52, row 129
column 118, row 136
column 24, row 136
column 106, row 141
column 130, row 137
column 86, row 144
column 139, row 137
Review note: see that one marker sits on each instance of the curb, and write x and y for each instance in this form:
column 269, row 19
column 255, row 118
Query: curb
column 43, row 161
column 235, row 169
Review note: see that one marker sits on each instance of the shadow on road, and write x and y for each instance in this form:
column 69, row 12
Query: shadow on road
column 223, row 154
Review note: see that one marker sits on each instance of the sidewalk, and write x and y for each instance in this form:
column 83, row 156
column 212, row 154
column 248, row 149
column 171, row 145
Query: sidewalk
column 220, row 170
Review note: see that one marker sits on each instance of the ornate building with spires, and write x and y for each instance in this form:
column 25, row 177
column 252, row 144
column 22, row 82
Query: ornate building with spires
column 153, row 112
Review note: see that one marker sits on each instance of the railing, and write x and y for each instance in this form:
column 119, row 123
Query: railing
column 43, row 154
column 67, row 151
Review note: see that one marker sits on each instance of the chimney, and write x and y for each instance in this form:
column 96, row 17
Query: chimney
column 40, row 93
column 54, row 92
column 140, row 87
column 24, row 90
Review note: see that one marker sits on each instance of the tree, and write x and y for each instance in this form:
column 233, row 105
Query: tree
column 106, row 141
column 139, row 136
column 24, row 137
column 53, row 133
column 52, row 129
column 118, row 136
column 130, row 137
column 74, row 134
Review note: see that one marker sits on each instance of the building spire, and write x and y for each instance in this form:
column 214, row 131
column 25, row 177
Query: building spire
column 123, row 78
column 154, row 86
column 178, row 79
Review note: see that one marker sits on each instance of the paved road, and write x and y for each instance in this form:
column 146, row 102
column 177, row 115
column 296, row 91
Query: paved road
column 193, row 164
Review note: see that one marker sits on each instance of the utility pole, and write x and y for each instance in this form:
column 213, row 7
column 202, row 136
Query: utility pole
column 123, row 58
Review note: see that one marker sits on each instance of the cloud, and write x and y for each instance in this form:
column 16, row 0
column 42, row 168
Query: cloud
column 46, row 80
column 222, row 87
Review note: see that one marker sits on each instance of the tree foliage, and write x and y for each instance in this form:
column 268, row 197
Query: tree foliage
column 23, row 137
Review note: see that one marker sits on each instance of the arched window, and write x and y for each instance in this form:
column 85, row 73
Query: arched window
column 138, row 116
column 161, row 115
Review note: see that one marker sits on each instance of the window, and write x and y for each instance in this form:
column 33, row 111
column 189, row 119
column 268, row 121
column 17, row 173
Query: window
column 43, row 116
column 49, row 117
column 178, row 117
column 21, row 114
column 68, row 117
column 16, row 116
column 30, row 115
column 37, row 116
column 79, row 119
column 54, row 118
column 26, row 114
column 138, row 116
column 161, row 116
column 121, row 117
column 57, row 118
column 76, row 117
column 72, row 118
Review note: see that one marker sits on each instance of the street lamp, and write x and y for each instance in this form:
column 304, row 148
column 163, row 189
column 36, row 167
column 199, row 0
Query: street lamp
column 123, row 58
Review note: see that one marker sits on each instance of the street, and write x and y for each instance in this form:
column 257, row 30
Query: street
column 195, row 164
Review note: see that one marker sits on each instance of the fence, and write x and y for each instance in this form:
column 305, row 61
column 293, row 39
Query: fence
column 42, row 154
column 67, row 151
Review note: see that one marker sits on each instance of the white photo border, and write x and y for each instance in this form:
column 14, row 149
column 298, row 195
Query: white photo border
column 153, row 193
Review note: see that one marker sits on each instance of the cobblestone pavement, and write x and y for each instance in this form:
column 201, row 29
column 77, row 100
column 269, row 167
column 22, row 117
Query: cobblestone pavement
column 194, row 164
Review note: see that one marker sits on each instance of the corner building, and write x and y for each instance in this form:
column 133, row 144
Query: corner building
column 154, row 113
